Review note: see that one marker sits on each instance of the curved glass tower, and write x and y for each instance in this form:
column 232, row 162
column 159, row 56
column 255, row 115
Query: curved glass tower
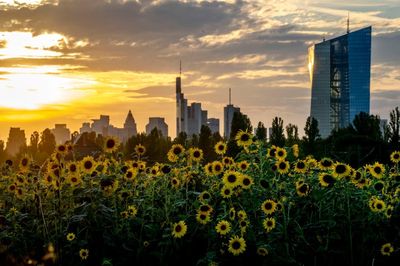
column 340, row 73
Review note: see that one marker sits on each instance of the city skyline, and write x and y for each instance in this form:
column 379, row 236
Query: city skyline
column 119, row 60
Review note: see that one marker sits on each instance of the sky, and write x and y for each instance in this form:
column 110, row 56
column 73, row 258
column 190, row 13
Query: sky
column 68, row 61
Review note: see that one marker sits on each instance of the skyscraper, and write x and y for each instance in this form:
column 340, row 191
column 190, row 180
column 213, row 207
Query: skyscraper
column 61, row 133
column 189, row 119
column 229, row 110
column 16, row 141
column 340, row 71
column 159, row 123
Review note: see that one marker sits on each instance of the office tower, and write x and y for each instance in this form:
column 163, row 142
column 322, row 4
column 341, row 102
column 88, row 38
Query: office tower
column 340, row 71
column 61, row 133
column 159, row 123
column 229, row 110
column 16, row 141
column 130, row 126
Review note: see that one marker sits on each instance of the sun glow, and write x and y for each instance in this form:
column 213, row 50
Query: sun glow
column 35, row 87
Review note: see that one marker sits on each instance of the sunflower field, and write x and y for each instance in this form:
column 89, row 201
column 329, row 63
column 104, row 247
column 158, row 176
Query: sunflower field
column 267, row 206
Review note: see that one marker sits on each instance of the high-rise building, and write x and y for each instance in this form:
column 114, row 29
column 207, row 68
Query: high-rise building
column 229, row 110
column 16, row 140
column 189, row 119
column 61, row 133
column 340, row 71
column 103, row 127
column 159, row 123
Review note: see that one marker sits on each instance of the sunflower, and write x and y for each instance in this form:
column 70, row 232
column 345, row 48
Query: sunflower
column 231, row 179
column 74, row 180
column 177, row 149
column 226, row 192
column 130, row 174
column 269, row 224
column 24, row 164
column 205, row 208
column 377, row 170
column 325, row 164
column 62, row 149
column 220, row 148
column 377, row 205
column 70, row 236
column 132, row 211
column 340, row 170
column 195, row 154
column 111, row 144
column 300, row 167
column 326, row 180
column 268, row 206
column 228, row 161
column 12, row 188
column 242, row 215
column 217, row 167
column 243, row 165
column 73, row 168
column 280, row 153
column 175, row 182
column 203, row 218
column 208, row 169
column 358, row 175
column 237, row 245
column 244, row 138
column 282, row 167
column 140, row 149
column 389, row 211
column 246, row 182
column 295, row 150
column 84, row 254
column 271, row 151
column 262, row 251
column 204, row 196
column 243, row 226
column 303, row 190
column 395, row 157
column 387, row 249
column 223, row 227
column 179, row 229
column 232, row 214
column 88, row 164
column 378, row 186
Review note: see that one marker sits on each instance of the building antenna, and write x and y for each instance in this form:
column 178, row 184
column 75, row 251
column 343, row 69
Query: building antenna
column 180, row 68
column 230, row 96
column 348, row 22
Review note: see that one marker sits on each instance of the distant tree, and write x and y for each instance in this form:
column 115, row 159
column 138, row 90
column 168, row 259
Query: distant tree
column 394, row 128
column 367, row 125
column 3, row 154
column 206, row 143
column 277, row 137
column 194, row 140
column 240, row 121
column 261, row 131
column 47, row 142
column 34, row 143
column 311, row 130
column 182, row 139
column 292, row 132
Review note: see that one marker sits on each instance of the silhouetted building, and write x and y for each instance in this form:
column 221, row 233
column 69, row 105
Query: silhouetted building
column 102, row 127
column 213, row 124
column 61, row 133
column 340, row 71
column 229, row 110
column 159, row 123
column 16, row 141
column 189, row 119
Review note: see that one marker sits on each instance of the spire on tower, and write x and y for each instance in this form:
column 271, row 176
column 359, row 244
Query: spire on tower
column 348, row 22
column 180, row 68
column 230, row 95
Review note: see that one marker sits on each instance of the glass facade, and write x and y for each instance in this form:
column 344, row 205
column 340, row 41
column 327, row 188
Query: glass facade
column 340, row 79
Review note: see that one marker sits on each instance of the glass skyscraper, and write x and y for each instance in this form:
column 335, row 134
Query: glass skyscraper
column 340, row 72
